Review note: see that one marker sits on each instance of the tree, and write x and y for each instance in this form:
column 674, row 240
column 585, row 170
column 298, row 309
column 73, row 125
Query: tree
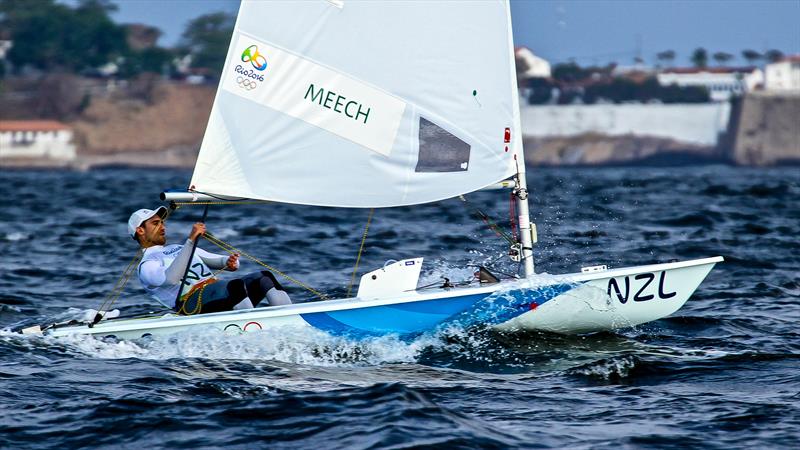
column 571, row 72
column 700, row 57
column 49, row 35
column 773, row 55
column 24, row 22
column 751, row 56
column 95, row 38
column 153, row 60
column 207, row 38
column 104, row 7
column 722, row 58
column 666, row 57
column 541, row 91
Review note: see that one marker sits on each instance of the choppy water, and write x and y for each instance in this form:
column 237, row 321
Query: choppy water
column 724, row 372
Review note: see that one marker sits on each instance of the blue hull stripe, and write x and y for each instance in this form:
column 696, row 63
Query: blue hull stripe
column 503, row 306
column 421, row 316
column 407, row 318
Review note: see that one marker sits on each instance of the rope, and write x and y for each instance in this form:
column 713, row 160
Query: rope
column 231, row 249
column 230, row 202
column 493, row 226
column 360, row 250
column 199, row 304
column 112, row 296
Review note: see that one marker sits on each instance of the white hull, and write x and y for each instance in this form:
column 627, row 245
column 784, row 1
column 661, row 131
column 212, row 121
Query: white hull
column 641, row 299
column 567, row 304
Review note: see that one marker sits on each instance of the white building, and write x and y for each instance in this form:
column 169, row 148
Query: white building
column 692, row 123
column 722, row 82
column 783, row 75
column 529, row 65
column 36, row 139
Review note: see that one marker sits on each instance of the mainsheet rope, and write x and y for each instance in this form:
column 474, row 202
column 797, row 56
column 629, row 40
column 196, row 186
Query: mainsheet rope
column 231, row 249
column 222, row 202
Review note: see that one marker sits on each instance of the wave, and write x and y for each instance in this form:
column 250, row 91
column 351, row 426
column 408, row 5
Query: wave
column 674, row 364
column 706, row 219
column 761, row 190
column 380, row 415
column 767, row 190
column 267, row 231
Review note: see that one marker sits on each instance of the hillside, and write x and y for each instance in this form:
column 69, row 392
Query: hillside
column 166, row 132
column 767, row 130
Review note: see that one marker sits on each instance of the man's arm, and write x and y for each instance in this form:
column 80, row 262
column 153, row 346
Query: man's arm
column 152, row 274
column 216, row 262
column 174, row 273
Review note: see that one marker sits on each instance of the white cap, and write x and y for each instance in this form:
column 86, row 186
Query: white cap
column 140, row 216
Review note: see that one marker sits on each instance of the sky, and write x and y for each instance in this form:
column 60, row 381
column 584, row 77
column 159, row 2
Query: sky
column 584, row 31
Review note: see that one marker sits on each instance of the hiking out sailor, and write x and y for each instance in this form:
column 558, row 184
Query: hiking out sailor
column 163, row 266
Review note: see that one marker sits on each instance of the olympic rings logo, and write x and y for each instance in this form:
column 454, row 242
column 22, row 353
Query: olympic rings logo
column 246, row 84
column 255, row 324
column 248, row 327
column 251, row 55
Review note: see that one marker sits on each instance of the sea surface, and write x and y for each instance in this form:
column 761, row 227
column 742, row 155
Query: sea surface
column 721, row 373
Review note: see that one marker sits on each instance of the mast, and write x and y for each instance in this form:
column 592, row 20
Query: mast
column 527, row 230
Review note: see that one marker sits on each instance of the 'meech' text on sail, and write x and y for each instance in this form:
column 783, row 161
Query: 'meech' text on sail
column 338, row 103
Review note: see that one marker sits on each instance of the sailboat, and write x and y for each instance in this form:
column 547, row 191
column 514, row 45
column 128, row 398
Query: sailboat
column 352, row 104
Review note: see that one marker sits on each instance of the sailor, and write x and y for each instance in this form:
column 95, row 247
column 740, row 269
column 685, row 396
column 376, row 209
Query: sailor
column 163, row 266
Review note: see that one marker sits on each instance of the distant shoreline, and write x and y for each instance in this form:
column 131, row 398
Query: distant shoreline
column 119, row 131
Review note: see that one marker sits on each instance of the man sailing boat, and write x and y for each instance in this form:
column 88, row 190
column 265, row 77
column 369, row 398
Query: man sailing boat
column 163, row 266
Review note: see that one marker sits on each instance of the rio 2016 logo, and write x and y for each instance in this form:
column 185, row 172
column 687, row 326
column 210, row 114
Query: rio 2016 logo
column 251, row 55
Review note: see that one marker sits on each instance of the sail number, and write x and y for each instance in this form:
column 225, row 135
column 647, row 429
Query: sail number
column 191, row 275
column 641, row 286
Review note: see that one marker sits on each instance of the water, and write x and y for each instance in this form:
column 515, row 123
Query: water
column 721, row 373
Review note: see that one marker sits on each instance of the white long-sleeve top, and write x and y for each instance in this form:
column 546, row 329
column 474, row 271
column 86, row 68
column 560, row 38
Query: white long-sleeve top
column 162, row 268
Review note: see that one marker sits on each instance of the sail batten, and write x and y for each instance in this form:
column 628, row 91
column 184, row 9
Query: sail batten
column 372, row 104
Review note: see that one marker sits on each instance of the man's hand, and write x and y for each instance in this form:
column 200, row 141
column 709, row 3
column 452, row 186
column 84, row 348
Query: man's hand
column 233, row 262
column 198, row 229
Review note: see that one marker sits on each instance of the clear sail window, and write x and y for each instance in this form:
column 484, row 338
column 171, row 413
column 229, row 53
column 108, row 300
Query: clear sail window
column 439, row 150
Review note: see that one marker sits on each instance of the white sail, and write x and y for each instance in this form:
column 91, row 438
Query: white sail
column 363, row 104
